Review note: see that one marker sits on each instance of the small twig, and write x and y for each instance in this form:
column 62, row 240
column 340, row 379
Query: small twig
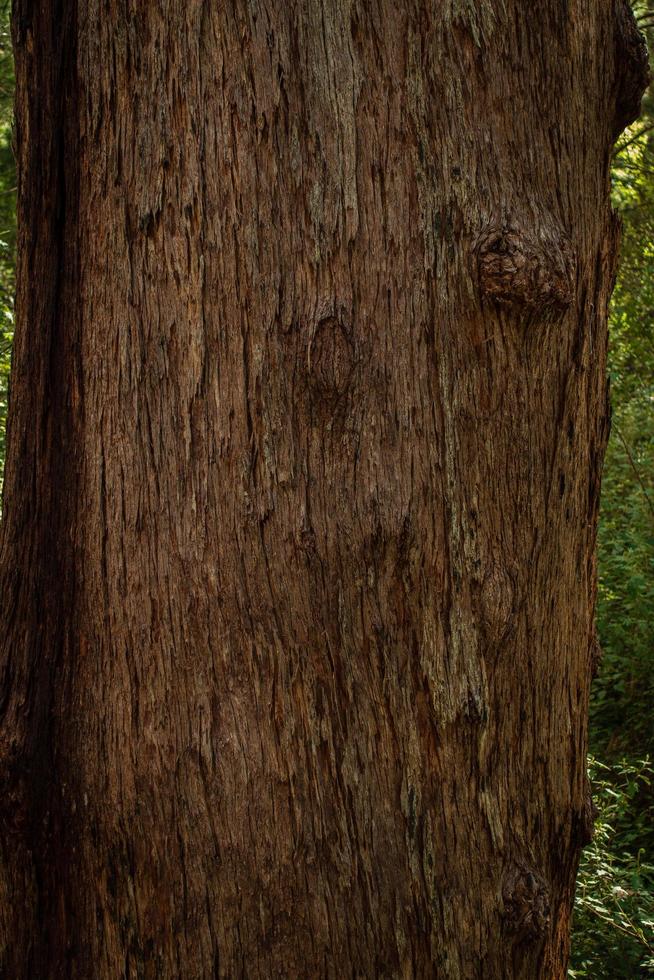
column 635, row 469
column 633, row 931
column 633, row 139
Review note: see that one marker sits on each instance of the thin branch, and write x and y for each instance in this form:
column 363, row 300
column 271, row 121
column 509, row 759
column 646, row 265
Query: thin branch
column 635, row 469
column 633, row 139
column 634, row 932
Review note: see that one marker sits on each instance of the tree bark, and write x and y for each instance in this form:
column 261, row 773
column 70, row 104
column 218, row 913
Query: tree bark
column 309, row 407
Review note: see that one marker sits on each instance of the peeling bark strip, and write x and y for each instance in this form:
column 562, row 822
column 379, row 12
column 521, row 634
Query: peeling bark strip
column 298, row 548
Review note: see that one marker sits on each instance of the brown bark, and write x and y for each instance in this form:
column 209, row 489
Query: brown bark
column 309, row 410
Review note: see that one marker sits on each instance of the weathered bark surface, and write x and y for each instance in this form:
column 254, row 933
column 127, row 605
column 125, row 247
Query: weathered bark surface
column 309, row 410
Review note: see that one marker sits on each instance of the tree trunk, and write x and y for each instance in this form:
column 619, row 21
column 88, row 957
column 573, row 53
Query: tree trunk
column 308, row 415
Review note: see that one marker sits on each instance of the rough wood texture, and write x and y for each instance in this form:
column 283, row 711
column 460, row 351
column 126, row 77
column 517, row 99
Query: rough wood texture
column 308, row 416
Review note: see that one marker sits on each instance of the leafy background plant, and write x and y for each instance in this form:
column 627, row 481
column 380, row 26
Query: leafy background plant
column 614, row 907
column 613, row 931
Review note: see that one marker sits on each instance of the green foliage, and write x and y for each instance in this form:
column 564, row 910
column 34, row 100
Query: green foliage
column 620, row 715
column 614, row 908
column 620, row 719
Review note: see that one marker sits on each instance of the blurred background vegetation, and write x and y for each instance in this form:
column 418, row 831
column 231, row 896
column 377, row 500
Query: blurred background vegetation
column 613, row 934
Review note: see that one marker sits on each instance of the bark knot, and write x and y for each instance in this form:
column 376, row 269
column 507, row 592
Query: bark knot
column 526, row 897
column 585, row 822
column 515, row 269
column 496, row 602
column 632, row 65
column 330, row 358
column 595, row 654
